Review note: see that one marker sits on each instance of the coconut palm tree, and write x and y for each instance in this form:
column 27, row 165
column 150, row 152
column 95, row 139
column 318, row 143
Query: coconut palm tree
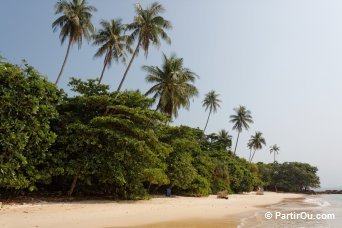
column 275, row 150
column 148, row 27
column 241, row 120
column 113, row 43
column 75, row 23
column 172, row 85
column 256, row 142
column 250, row 147
column 224, row 139
column 211, row 102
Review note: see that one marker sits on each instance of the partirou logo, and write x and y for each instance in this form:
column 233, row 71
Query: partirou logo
column 298, row 216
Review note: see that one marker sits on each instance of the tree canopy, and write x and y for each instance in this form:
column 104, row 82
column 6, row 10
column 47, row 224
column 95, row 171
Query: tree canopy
column 74, row 23
column 27, row 107
column 173, row 85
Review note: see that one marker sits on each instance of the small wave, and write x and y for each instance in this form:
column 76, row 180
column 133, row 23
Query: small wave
column 317, row 201
column 246, row 220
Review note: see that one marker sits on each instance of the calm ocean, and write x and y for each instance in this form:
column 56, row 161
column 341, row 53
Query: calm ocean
column 313, row 211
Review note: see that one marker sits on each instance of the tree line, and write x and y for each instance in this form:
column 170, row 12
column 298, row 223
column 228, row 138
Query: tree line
column 98, row 143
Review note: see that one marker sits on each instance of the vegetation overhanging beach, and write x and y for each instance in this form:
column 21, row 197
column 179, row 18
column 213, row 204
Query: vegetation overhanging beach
column 121, row 144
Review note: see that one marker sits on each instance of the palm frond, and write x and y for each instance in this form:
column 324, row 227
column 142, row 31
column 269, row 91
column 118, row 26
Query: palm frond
column 173, row 85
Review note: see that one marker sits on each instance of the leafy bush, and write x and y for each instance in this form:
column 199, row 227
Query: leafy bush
column 295, row 177
column 108, row 147
column 27, row 105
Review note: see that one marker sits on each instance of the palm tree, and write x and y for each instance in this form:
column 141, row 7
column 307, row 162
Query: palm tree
column 113, row 43
column 75, row 23
column 172, row 85
column 224, row 139
column 211, row 102
column 250, row 147
column 256, row 143
column 148, row 27
column 241, row 119
column 275, row 150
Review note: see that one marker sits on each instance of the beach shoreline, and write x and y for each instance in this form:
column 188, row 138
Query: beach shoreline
column 156, row 212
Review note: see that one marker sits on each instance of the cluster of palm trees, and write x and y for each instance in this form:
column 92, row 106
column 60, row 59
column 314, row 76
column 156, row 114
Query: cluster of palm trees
column 75, row 23
column 241, row 121
column 172, row 82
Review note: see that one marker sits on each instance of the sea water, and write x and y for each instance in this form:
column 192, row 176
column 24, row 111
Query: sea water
column 312, row 211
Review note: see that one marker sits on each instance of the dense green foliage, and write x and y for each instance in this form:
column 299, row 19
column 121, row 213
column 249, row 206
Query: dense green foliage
column 27, row 105
column 289, row 176
column 98, row 143
column 109, row 145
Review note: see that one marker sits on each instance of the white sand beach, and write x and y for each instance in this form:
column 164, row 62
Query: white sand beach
column 158, row 210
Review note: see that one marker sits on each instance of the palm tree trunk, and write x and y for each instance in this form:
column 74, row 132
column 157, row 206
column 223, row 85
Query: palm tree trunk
column 65, row 59
column 129, row 66
column 103, row 70
column 252, row 156
column 169, row 108
column 236, row 143
column 73, row 185
column 207, row 121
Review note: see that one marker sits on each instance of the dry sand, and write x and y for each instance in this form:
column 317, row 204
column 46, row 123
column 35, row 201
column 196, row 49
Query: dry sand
column 157, row 212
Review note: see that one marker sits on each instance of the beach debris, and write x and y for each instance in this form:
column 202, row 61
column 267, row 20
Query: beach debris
column 222, row 195
column 168, row 192
column 260, row 191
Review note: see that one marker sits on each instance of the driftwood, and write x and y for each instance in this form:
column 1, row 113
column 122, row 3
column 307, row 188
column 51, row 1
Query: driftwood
column 222, row 195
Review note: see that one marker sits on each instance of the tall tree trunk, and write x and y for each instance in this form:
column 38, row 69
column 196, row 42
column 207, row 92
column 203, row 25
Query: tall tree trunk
column 129, row 66
column 168, row 109
column 65, row 59
column 237, row 140
column 207, row 121
column 73, row 185
column 252, row 156
column 274, row 157
column 103, row 70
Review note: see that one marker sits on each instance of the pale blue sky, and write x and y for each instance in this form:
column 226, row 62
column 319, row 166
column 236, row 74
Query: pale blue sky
column 281, row 59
